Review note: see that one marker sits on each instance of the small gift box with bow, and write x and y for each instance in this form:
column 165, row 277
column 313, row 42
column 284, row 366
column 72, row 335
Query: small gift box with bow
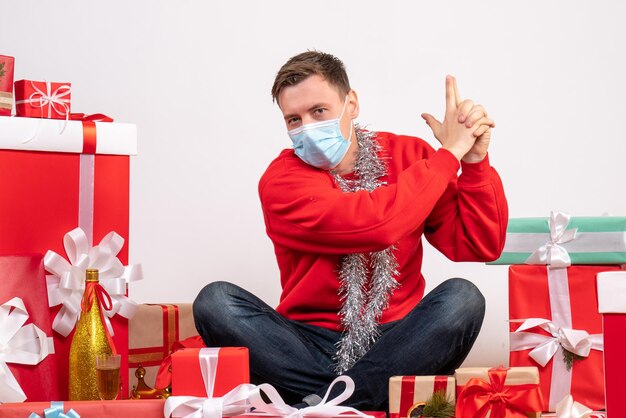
column 43, row 99
column 561, row 240
column 405, row 392
column 223, row 367
column 6, row 85
column 612, row 305
column 498, row 392
column 153, row 333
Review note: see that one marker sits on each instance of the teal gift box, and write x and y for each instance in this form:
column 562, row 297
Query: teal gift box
column 561, row 240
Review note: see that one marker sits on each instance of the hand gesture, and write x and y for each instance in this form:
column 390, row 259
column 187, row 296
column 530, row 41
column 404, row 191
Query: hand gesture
column 465, row 130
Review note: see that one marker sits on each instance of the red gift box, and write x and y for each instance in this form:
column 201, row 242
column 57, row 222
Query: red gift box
column 149, row 408
column 230, row 366
column 23, row 277
column 565, row 297
column 6, row 84
column 406, row 391
column 43, row 99
column 612, row 305
column 47, row 194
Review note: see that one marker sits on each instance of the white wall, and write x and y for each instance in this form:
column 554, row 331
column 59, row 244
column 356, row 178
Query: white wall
column 195, row 77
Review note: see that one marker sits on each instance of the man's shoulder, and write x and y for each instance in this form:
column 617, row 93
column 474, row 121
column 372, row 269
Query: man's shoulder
column 403, row 144
column 288, row 168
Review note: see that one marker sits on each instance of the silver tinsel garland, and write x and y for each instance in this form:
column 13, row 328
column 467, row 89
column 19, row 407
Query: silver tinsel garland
column 367, row 280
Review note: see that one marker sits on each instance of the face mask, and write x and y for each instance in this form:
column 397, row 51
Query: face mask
column 321, row 144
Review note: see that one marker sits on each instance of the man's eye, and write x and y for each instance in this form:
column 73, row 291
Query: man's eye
column 319, row 111
column 293, row 120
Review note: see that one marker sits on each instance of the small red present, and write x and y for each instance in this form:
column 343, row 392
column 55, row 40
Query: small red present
column 498, row 392
column 6, row 84
column 612, row 305
column 406, row 391
column 552, row 310
column 43, row 99
column 225, row 367
column 23, row 277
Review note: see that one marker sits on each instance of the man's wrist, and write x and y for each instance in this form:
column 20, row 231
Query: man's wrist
column 473, row 158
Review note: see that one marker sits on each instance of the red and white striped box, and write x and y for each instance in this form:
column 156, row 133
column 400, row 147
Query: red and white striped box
column 406, row 391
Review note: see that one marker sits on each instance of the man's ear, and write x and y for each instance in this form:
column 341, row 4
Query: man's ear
column 353, row 104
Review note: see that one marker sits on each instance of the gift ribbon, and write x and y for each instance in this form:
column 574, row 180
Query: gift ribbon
column 234, row 402
column 568, row 408
column 66, row 284
column 53, row 100
column 326, row 408
column 56, row 411
column 94, row 292
column 479, row 397
column 544, row 347
column 552, row 253
column 19, row 344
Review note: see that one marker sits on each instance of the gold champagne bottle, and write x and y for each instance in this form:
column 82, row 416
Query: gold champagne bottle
column 90, row 339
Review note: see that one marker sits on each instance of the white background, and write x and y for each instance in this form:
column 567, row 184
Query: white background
column 195, row 76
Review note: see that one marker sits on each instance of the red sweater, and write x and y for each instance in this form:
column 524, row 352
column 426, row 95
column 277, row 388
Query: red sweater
column 312, row 223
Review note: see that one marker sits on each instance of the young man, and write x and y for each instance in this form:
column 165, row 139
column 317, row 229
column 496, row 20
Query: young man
column 346, row 209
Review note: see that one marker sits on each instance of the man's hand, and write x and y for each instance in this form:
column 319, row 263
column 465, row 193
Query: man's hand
column 465, row 130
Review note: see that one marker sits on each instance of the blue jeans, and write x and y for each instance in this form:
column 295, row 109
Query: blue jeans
column 297, row 358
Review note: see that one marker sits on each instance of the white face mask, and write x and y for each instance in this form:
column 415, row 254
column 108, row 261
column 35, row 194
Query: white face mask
column 321, row 144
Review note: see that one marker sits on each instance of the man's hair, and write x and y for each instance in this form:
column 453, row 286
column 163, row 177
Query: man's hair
column 306, row 64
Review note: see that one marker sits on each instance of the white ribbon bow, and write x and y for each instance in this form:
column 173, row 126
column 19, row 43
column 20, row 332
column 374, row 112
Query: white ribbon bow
column 326, row 408
column 19, row 344
column 552, row 253
column 567, row 408
column 66, row 284
column 544, row 347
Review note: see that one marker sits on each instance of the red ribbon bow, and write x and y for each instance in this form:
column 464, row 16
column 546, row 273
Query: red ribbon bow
column 89, row 129
column 95, row 291
column 479, row 397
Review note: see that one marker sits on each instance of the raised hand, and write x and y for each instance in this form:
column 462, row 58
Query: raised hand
column 465, row 130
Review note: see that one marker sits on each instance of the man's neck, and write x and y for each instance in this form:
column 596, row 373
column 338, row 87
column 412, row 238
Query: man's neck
column 347, row 164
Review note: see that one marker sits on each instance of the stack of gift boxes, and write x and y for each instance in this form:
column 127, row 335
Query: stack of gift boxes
column 65, row 190
column 566, row 274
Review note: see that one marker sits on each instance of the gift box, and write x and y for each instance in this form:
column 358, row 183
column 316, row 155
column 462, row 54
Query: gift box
column 53, row 182
column 406, row 391
column 226, row 367
column 561, row 240
column 552, row 310
column 612, row 306
column 43, row 99
column 23, row 277
column 497, row 392
column 6, row 85
column 152, row 333
column 150, row 408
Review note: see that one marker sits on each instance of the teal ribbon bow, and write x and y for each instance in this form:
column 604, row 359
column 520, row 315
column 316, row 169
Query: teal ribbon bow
column 56, row 411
